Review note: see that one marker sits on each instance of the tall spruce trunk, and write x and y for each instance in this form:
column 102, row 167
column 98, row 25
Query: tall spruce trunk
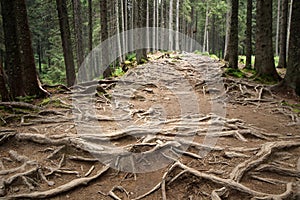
column 277, row 28
column 264, row 54
column 78, row 32
column 233, row 42
column 249, row 35
column 283, row 33
column 66, row 41
column 90, row 6
column 141, row 15
column 171, row 25
column 14, row 69
column 292, row 77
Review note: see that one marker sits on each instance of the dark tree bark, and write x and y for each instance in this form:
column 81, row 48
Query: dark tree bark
column 233, row 40
column 104, row 36
column 31, row 81
column 264, row 58
column 249, row 35
column 141, row 20
column 228, row 14
column 90, row 5
column 3, row 88
column 78, row 32
column 283, row 33
column 292, row 77
column 66, row 41
column 20, row 65
column 13, row 65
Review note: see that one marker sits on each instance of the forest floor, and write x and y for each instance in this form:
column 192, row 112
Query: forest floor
column 173, row 128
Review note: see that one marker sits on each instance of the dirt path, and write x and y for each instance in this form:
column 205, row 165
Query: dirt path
column 173, row 128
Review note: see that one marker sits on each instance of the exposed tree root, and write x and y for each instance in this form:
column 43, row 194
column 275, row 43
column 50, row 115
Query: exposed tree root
column 61, row 189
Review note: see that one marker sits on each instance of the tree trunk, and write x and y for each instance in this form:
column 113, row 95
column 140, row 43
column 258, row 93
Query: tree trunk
column 13, row 65
column 141, row 53
column 289, row 26
column 3, row 88
column 105, row 69
column 277, row 29
column 171, row 25
column 228, row 14
column 233, row 42
column 119, row 46
column 66, row 41
column 177, row 26
column 205, row 30
column 283, row 33
column 249, row 35
column 292, row 77
column 264, row 59
column 154, row 25
column 90, row 5
column 78, row 32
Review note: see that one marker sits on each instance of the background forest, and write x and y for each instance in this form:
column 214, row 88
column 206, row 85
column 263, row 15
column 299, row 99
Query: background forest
column 63, row 33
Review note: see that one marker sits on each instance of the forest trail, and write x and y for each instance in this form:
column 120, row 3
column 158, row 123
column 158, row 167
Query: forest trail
column 173, row 128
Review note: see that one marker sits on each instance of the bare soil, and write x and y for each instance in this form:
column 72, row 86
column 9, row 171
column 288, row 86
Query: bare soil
column 173, row 128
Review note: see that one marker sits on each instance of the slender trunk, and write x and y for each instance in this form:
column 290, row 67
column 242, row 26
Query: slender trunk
column 277, row 29
column 3, row 87
column 292, row 77
column 213, row 30
column 171, row 25
column 228, row 14
column 119, row 47
column 147, row 24
column 177, row 26
column 90, row 25
column 162, row 20
column 78, row 32
column 154, row 25
column 126, row 23
column 141, row 53
column 66, row 41
column 233, row 42
column 283, row 34
column 123, row 29
column 289, row 27
column 249, row 35
column 206, row 29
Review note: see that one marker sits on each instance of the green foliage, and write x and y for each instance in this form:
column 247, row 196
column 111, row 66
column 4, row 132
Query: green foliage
column 27, row 99
column 295, row 107
column 118, row 72
column 131, row 57
column 265, row 79
column 235, row 73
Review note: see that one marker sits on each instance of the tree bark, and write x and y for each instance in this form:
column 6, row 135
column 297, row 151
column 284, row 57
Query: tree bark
column 206, row 30
column 141, row 17
column 78, row 31
column 177, row 27
column 90, row 6
column 3, row 87
column 171, row 25
column 66, row 41
column 283, row 34
column 277, row 28
column 13, row 65
column 228, row 14
column 249, row 35
column 292, row 77
column 233, row 42
column 264, row 59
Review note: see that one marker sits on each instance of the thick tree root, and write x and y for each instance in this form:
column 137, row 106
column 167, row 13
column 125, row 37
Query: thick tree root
column 61, row 189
